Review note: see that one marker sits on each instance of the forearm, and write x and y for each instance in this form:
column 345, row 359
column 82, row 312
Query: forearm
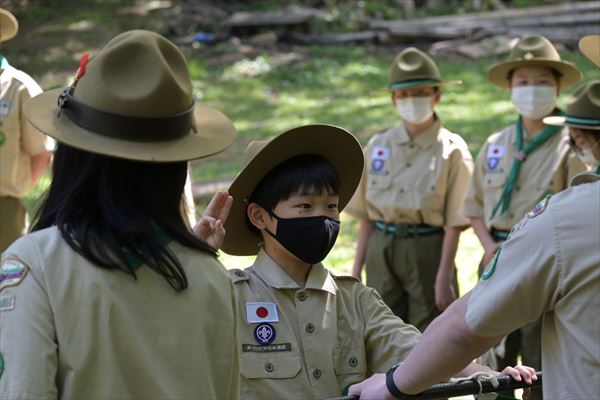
column 449, row 247
column 39, row 163
column 364, row 231
column 448, row 341
column 482, row 232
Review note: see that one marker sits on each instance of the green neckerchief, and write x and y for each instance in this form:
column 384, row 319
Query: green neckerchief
column 597, row 170
column 142, row 254
column 3, row 62
column 537, row 141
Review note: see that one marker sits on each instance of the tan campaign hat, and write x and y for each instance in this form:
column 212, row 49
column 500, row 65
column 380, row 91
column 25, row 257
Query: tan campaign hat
column 8, row 25
column 414, row 68
column 534, row 51
column 590, row 47
column 133, row 100
column 335, row 144
column 583, row 111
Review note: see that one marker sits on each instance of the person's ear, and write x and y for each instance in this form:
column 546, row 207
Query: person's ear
column 437, row 96
column 257, row 216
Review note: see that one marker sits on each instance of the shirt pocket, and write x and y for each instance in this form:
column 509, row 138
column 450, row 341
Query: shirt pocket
column 493, row 181
column 279, row 365
column 376, row 184
column 349, row 360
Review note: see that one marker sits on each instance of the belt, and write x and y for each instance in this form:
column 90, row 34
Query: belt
column 407, row 230
column 499, row 235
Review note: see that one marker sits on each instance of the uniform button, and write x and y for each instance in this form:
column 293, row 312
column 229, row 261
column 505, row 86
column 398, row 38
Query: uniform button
column 269, row 367
column 407, row 164
column 433, row 188
column 317, row 373
column 239, row 273
column 310, row 328
column 489, row 181
column 401, row 190
column 301, row 296
column 517, row 188
column 353, row 362
column 511, row 215
column 412, row 146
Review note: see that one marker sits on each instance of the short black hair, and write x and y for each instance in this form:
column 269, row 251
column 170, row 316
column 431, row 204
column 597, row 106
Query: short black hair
column 593, row 133
column 107, row 208
column 307, row 173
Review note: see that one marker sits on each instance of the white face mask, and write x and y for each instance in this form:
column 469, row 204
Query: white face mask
column 415, row 110
column 587, row 155
column 534, row 102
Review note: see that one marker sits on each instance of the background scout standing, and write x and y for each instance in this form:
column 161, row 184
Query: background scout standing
column 101, row 300
column 24, row 152
column 524, row 162
column 409, row 198
column 583, row 119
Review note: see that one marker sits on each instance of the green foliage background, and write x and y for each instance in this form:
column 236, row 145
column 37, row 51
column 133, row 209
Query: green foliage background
column 268, row 90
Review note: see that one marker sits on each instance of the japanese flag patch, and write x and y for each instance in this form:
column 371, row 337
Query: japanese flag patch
column 12, row 272
column 380, row 153
column 259, row 312
column 495, row 151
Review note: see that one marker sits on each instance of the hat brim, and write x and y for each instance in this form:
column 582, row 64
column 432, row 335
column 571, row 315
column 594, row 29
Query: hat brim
column 215, row 132
column 9, row 26
column 498, row 74
column 556, row 120
column 335, row 144
column 590, row 47
column 428, row 84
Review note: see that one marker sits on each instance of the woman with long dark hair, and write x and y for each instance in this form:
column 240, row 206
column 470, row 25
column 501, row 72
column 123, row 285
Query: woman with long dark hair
column 111, row 295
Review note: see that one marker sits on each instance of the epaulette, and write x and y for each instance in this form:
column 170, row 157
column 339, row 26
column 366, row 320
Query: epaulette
column 237, row 275
column 341, row 277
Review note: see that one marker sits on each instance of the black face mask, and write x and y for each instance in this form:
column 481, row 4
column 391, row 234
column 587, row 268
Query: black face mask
column 310, row 239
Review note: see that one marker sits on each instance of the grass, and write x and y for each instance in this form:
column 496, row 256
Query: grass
column 267, row 91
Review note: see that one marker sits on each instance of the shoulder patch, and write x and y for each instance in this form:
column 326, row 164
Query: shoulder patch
column 539, row 207
column 12, row 272
column 237, row 275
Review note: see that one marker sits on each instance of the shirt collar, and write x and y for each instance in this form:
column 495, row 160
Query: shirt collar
column 318, row 277
column 424, row 139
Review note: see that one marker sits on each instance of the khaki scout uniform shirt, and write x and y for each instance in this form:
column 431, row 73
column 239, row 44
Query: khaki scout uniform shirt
column 19, row 140
column 329, row 335
column 414, row 181
column 546, row 170
column 550, row 265
column 70, row 329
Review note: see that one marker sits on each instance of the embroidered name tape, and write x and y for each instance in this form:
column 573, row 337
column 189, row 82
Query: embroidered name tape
column 12, row 272
column 258, row 312
column 495, row 151
column 380, row 153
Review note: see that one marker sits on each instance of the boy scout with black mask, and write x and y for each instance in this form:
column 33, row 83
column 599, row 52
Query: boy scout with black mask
column 305, row 333
column 409, row 198
column 522, row 163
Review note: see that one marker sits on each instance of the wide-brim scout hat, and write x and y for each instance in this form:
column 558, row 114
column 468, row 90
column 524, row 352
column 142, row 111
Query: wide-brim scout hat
column 414, row 68
column 8, row 25
column 534, row 51
column 583, row 111
column 334, row 144
column 133, row 100
column 590, row 47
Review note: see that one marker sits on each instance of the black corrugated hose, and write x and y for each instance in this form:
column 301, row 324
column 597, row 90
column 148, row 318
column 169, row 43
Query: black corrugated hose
column 466, row 387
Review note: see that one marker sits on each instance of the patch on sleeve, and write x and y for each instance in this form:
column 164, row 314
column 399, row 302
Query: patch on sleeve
column 12, row 272
column 539, row 208
column 489, row 271
column 7, row 303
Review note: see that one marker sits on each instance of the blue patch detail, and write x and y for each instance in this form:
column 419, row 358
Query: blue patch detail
column 377, row 165
column 493, row 163
column 264, row 334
